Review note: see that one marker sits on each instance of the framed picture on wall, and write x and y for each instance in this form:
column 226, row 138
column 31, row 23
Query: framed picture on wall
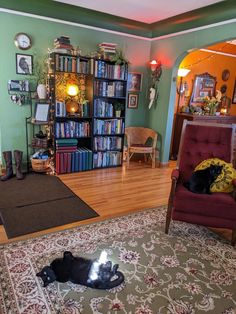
column 133, row 101
column 24, row 64
column 134, row 82
column 234, row 94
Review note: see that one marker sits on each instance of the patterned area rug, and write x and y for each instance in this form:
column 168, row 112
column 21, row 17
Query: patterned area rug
column 190, row 271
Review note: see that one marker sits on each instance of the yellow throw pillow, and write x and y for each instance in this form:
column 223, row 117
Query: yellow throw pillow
column 223, row 182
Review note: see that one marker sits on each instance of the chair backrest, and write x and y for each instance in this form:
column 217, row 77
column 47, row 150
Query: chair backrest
column 200, row 141
column 139, row 135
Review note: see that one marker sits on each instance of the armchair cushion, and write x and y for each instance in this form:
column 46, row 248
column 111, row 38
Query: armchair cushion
column 193, row 205
column 223, row 183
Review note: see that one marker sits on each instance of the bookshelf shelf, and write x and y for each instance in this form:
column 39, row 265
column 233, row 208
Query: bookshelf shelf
column 96, row 139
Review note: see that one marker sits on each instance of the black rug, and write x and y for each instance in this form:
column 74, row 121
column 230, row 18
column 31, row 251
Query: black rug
column 39, row 202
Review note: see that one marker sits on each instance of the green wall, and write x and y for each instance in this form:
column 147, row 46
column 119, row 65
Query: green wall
column 171, row 52
column 138, row 51
column 12, row 116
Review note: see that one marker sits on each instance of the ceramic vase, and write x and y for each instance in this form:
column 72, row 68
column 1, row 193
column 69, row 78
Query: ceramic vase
column 42, row 91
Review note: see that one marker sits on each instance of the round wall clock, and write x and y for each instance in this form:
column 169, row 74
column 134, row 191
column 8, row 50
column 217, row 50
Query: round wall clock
column 225, row 75
column 23, row 41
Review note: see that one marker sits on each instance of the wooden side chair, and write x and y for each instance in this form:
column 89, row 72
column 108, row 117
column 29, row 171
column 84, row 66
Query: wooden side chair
column 201, row 141
column 141, row 141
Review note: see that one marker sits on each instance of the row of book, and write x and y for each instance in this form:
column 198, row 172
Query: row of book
column 103, row 108
column 73, row 64
column 107, row 127
column 80, row 160
column 106, row 159
column 109, row 89
column 111, row 71
column 107, row 143
column 72, row 129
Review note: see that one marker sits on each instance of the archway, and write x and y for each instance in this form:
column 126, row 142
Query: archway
column 219, row 61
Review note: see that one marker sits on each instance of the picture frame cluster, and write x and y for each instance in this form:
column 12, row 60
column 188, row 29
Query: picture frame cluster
column 134, row 87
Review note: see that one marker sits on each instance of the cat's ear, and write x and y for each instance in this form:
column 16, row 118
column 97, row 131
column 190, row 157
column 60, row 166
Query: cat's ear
column 68, row 255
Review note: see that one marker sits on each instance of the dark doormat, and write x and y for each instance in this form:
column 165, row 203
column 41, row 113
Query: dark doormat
column 39, row 202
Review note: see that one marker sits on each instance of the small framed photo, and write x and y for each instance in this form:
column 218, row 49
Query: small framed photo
column 24, row 64
column 41, row 112
column 133, row 101
column 234, row 94
column 135, row 82
column 18, row 86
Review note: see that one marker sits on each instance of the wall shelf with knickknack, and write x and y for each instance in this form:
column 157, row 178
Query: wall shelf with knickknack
column 84, row 93
column 38, row 130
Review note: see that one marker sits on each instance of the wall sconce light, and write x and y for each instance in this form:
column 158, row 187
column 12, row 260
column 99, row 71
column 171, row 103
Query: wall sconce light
column 72, row 106
column 156, row 70
column 181, row 89
column 156, row 74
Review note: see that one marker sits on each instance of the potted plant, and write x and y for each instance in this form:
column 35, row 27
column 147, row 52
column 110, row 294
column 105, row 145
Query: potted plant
column 40, row 74
column 119, row 58
column 118, row 106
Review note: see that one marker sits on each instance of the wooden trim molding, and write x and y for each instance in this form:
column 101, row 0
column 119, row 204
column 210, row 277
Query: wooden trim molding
column 223, row 12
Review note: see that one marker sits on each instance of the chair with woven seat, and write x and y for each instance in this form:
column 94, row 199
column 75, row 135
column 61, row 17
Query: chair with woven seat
column 201, row 141
column 141, row 141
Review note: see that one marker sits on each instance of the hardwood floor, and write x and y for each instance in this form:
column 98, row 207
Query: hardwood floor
column 114, row 191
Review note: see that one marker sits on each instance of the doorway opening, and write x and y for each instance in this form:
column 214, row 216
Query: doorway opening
column 209, row 78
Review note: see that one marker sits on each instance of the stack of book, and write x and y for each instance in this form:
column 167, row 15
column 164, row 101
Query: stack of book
column 66, row 145
column 108, row 50
column 62, row 44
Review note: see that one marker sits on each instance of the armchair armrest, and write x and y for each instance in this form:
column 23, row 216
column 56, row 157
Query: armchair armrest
column 174, row 178
column 175, row 174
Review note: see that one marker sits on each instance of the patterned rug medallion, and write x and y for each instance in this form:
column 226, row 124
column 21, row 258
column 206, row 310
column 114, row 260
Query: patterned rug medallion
column 190, row 271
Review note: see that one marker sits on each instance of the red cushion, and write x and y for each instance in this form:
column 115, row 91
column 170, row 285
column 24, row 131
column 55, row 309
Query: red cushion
column 215, row 210
column 203, row 142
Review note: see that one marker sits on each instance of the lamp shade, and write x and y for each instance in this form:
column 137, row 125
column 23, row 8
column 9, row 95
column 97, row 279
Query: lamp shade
column 72, row 106
column 153, row 65
column 183, row 72
column 72, row 89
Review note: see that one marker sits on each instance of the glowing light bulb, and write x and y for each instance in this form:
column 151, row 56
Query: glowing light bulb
column 72, row 90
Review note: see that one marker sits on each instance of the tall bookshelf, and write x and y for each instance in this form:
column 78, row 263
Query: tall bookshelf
column 110, row 88
column 92, row 136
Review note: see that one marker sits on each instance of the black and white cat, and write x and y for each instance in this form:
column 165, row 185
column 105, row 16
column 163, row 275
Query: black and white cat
column 201, row 180
column 78, row 270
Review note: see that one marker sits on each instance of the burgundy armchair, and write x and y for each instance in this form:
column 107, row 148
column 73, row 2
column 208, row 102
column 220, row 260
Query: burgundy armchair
column 200, row 141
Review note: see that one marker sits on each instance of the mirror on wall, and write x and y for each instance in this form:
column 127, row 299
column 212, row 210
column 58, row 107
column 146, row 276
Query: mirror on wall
column 204, row 85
